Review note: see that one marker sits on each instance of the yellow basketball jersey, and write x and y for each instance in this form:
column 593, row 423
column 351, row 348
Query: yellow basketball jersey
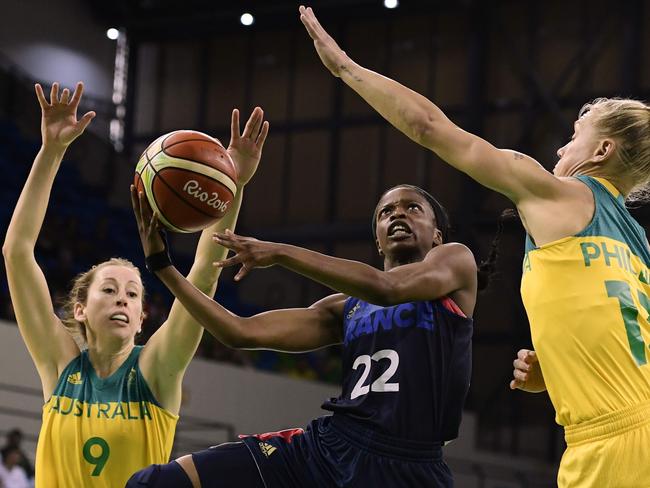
column 586, row 297
column 97, row 432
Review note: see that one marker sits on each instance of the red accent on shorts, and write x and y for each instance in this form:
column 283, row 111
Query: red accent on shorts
column 450, row 305
column 286, row 434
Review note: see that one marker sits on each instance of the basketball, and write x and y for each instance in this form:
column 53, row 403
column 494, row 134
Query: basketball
column 189, row 180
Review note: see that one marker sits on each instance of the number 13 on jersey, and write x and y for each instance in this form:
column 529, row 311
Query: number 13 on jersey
column 623, row 293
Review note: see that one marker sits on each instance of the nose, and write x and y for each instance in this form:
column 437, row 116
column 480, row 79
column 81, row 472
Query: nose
column 398, row 212
column 121, row 298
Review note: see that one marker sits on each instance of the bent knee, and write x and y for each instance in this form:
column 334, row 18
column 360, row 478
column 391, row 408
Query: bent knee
column 170, row 475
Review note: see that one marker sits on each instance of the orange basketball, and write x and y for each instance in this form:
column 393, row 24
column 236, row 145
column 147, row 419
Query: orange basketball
column 188, row 178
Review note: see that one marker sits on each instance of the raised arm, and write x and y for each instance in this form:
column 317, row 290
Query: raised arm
column 517, row 176
column 50, row 345
column 171, row 348
column 446, row 269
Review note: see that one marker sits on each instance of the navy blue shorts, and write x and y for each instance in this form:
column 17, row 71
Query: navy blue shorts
column 332, row 452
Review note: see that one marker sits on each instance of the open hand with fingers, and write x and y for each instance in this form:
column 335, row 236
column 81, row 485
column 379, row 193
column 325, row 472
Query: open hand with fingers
column 249, row 252
column 527, row 373
column 332, row 56
column 59, row 124
column 148, row 225
column 245, row 148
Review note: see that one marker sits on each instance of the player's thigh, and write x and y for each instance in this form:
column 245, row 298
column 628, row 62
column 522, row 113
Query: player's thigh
column 229, row 465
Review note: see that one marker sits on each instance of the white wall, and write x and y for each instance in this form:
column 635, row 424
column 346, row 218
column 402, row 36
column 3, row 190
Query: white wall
column 58, row 41
column 251, row 401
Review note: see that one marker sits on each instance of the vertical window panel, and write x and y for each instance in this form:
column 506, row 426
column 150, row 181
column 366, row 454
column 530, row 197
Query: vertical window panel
column 271, row 73
column 146, row 88
column 227, row 80
column 180, row 88
column 314, row 85
column 308, row 186
column 357, row 173
column 410, row 62
column 451, row 59
column 403, row 156
column 262, row 205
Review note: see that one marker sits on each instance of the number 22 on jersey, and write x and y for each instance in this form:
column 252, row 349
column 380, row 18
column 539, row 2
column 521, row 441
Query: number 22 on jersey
column 381, row 384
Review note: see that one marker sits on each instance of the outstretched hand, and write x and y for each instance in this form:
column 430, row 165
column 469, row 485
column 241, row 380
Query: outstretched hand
column 332, row 56
column 249, row 252
column 527, row 373
column 148, row 225
column 245, row 148
column 59, row 124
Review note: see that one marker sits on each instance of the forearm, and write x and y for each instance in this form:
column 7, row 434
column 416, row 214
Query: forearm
column 203, row 274
column 410, row 112
column 351, row 278
column 29, row 213
column 225, row 326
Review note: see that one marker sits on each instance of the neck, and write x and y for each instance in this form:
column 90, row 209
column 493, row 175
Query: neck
column 620, row 183
column 611, row 171
column 106, row 360
column 391, row 262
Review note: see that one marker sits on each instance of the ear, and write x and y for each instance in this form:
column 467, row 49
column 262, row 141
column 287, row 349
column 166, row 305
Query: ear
column 381, row 253
column 79, row 312
column 437, row 237
column 605, row 150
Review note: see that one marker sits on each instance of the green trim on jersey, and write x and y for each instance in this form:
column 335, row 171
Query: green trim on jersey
column 80, row 381
column 611, row 219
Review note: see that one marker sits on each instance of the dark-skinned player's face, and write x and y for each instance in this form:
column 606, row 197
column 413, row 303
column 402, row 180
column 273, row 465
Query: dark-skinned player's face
column 405, row 224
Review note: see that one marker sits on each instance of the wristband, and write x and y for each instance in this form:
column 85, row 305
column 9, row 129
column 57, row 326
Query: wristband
column 158, row 261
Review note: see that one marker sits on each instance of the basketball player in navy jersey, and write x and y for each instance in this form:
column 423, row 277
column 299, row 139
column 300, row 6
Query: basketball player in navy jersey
column 406, row 334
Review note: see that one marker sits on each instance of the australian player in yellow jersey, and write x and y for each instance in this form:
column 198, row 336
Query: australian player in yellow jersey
column 586, row 282
column 111, row 407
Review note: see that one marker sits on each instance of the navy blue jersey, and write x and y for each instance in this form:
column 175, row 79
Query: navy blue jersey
column 406, row 368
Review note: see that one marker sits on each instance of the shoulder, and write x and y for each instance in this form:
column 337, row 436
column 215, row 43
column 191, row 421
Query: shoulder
column 332, row 304
column 453, row 254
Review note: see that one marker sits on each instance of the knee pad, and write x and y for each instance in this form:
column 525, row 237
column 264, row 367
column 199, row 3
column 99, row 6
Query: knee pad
column 170, row 475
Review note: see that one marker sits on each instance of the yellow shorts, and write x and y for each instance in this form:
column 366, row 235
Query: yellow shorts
column 610, row 451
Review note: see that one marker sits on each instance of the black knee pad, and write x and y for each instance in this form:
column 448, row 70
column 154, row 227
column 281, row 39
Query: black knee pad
column 170, row 475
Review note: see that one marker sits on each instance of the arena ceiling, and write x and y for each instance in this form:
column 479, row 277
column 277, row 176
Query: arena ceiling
column 196, row 18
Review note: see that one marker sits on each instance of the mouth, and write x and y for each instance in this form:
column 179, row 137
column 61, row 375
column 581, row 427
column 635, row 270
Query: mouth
column 399, row 230
column 120, row 317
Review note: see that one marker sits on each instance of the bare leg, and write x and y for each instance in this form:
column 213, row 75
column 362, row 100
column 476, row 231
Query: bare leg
column 187, row 464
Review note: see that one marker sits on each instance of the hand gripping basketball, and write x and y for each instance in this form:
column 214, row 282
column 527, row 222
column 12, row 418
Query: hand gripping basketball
column 189, row 180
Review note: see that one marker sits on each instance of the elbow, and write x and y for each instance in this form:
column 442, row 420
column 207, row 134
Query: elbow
column 12, row 251
column 238, row 336
column 422, row 128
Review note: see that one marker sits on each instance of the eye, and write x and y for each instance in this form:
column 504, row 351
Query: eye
column 108, row 290
column 132, row 294
column 414, row 206
column 384, row 211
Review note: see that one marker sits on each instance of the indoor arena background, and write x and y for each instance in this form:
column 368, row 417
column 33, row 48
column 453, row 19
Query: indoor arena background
column 514, row 72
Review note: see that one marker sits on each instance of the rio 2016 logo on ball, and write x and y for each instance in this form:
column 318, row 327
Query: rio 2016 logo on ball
column 188, row 178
